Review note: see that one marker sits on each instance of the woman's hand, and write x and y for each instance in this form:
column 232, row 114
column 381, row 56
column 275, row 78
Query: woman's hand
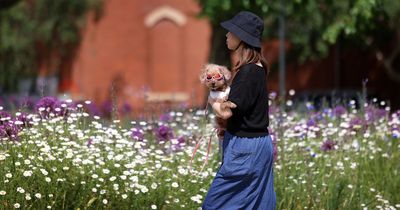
column 227, row 105
column 222, row 109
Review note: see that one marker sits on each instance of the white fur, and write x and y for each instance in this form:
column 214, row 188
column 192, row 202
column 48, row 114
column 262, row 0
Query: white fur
column 219, row 94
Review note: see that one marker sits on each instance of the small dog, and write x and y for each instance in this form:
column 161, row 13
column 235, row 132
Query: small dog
column 217, row 78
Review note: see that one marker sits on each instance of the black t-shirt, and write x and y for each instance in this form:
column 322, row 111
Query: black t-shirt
column 249, row 93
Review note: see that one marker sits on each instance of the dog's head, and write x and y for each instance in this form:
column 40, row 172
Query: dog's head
column 215, row 77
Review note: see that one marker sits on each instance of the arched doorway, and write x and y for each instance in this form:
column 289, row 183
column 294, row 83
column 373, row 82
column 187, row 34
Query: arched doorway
column 166, row 71
column 165, row 57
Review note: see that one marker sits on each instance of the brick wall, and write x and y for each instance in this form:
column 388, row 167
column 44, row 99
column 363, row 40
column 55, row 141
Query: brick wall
column 125, row 56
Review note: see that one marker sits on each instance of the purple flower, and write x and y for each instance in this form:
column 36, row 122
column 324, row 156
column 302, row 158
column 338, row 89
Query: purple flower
column 166, row 117
column 3, row 132
column 358, row 123
column 90, row 142
column 164, row 133
column 310, row 107
column 311, row 122
column 328, row 145
column 339, row 110
column 4, row 117
column 272, row 95
column 179, row 143
column 273, row 109
column 181, row 140
column 9, row 130
column 319, row 116
column 373, row 114
column 107, row 108
column 395, row 135
column 93, row 109
column 50, row 104
column 126, row 109
column 25, row 119
column 275, row 151
column 137, row 134
column 46, row 102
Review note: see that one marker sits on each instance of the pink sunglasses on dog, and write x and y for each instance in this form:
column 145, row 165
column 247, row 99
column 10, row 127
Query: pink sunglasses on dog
column 216, row 76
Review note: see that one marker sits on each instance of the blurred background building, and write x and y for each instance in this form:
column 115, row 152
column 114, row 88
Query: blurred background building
column 149, row 52
column 143, row 52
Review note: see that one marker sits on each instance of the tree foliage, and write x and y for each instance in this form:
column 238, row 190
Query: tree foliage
column 29, row 26
column 313, row 26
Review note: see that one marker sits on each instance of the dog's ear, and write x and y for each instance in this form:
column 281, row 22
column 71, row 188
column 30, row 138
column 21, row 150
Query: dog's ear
column 202, row 76
column 227, row 74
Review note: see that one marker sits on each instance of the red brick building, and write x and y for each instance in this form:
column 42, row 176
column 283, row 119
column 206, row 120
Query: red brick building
column 141, row 51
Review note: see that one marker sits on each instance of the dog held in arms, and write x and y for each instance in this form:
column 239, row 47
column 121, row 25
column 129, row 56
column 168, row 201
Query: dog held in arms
column 217, row 79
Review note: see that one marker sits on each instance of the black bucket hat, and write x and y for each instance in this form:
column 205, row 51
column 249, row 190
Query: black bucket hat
column 247, row 26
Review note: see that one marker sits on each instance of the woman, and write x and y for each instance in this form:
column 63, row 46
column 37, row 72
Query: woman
column 245, row 177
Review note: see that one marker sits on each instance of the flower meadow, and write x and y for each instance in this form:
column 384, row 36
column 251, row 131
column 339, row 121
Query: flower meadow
column 59, row 155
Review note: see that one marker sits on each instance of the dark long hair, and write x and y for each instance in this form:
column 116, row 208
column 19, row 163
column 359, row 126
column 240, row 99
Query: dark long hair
column 249, row 54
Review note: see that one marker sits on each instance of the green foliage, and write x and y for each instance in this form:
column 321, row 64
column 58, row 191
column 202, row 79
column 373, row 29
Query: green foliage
column 313, row 26
column 52, row 26
column 220, row 10
column 16, row 45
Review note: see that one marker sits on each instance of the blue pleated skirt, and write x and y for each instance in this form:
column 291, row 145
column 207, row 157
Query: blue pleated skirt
column 245, row 179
